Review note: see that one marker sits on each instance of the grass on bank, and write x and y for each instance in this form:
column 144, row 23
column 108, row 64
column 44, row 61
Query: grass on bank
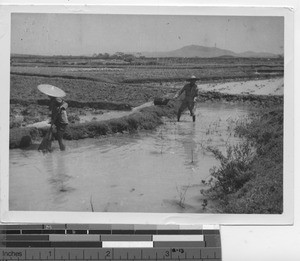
column 250, row 176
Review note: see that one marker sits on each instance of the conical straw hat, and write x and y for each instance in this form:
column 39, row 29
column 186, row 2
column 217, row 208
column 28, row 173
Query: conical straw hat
column 193, row 78
column 51, row 90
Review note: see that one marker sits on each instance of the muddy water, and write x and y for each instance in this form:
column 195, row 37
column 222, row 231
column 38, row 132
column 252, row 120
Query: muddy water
column 157, row 171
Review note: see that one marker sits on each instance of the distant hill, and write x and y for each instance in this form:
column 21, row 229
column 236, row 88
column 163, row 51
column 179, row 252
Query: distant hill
column 188, row 51
column 205, row 52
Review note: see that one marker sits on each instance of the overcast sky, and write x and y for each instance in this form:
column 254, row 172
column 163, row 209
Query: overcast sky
column 77, row 34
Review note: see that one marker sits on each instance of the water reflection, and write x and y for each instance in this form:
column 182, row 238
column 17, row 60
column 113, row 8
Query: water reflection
column 58, row 178
column 187, row 137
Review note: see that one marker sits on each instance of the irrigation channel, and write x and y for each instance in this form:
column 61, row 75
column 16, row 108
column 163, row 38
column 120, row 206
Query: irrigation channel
column 149, row 171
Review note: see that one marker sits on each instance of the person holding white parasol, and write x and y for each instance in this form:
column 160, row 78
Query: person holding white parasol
column 59, row 117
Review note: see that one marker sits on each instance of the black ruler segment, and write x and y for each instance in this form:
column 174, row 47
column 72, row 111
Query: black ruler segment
column 190, row 232
column 167, row 232
column 76, row 244
column 9, row 244
column 211, row 232
column 100, row 232
column 27, row 238
column 45, row 231
column 145, row 232
column 125, row 232
column 78, row 232
column 212, row 240
column 13, row 227
column 9, row 232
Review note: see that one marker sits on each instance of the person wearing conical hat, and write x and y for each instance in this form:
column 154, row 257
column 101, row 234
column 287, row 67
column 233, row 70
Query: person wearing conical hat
column 58, row 113
column 59, row 118
column 191, row 93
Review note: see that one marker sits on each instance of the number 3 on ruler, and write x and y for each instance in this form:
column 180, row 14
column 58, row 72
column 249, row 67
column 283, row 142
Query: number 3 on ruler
column 167, row 253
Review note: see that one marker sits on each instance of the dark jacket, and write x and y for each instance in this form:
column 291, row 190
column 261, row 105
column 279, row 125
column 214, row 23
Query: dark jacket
column 191, row 91
column 58, row 111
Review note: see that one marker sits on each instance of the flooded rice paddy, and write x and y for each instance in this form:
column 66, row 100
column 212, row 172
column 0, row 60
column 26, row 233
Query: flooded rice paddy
column 149, row 171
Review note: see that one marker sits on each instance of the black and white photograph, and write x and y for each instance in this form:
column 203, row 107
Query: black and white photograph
column 146, row 113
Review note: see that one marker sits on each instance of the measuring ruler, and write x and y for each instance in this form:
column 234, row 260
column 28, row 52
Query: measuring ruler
column 109, row 242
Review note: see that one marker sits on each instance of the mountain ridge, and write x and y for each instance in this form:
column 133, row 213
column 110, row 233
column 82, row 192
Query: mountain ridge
column 200, row 51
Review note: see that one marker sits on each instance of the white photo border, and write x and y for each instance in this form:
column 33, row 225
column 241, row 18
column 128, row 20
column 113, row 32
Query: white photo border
column 286, row 218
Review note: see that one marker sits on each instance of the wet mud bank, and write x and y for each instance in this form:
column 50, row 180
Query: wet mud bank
column 147, row 118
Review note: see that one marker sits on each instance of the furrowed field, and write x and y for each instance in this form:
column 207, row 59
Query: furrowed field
column 131, row 82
